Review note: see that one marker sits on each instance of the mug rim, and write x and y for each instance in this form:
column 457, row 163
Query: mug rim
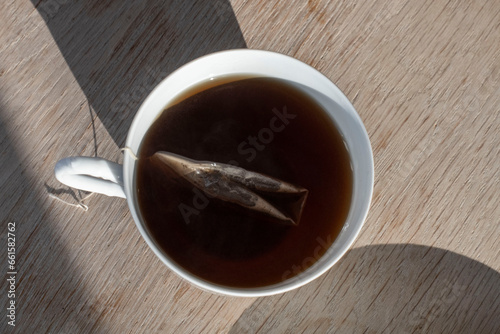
column 316, row 270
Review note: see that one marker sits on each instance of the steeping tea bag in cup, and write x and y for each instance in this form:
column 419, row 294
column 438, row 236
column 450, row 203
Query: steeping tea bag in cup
column 236, row 231
column 253, row 192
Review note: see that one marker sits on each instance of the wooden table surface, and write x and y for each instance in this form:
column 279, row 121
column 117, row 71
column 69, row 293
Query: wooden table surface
column 424, row 77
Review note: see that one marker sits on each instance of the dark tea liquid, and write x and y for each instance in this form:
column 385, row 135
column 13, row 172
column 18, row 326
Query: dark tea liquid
column 263, row 125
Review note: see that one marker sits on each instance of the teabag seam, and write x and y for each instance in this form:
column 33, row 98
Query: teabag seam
column 250, row 190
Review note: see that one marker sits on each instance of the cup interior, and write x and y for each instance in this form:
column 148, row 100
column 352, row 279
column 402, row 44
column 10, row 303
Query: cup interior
column 262, row 64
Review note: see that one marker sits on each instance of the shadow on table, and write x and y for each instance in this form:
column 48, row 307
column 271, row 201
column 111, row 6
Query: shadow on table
column 119, row 50
column 386, row 289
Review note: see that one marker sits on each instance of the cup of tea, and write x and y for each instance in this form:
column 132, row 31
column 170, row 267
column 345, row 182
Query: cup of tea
column 247, row 172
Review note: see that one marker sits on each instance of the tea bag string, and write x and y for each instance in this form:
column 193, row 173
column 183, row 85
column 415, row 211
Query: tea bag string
column 129, row 150
column 80, row 203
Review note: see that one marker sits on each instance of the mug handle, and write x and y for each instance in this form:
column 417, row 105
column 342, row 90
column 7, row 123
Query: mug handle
column 96, row 175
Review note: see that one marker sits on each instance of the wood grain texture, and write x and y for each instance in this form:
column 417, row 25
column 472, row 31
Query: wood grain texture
column 424, row 77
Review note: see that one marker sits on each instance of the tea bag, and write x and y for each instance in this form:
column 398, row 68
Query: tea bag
column 251, row 191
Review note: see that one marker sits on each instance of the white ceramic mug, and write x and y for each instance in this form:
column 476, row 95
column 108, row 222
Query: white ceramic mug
column 101, row 176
